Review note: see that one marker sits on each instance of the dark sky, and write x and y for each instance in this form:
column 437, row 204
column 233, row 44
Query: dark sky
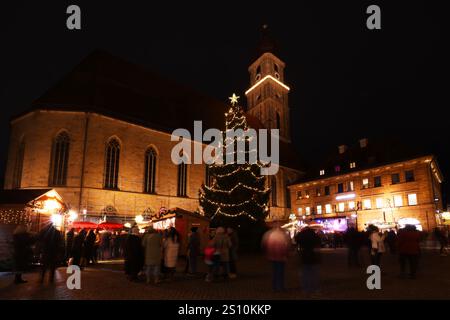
column 346, row 81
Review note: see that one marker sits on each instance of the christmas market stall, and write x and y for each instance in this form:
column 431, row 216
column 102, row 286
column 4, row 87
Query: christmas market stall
column 183, row 221
column 34, row 208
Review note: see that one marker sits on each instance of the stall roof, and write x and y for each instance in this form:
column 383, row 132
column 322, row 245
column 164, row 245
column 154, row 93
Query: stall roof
column 180, row 212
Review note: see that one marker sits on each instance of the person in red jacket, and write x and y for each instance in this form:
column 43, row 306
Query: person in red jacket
column 408, row 245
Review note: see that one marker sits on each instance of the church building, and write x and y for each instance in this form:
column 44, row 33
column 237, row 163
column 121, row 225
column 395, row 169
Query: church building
column 101, row 137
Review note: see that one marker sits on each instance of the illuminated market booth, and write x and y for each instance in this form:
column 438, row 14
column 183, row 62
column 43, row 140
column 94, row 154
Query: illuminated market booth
column 183, row 221
column 34, row 208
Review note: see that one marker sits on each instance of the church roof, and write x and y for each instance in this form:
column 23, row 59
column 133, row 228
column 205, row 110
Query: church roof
column 111, row 86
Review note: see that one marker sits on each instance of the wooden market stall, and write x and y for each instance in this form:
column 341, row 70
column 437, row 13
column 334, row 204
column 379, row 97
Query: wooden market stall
column 183, row 221
column 34, row 208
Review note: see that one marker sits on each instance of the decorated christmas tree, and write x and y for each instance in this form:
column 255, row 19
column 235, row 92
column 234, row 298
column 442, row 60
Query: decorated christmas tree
column 237, row 195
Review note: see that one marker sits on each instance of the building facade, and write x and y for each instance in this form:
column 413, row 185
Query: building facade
column 102, row 139
column 356, row 193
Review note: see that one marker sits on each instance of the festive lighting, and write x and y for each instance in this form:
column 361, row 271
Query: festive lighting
column 127, row 225
column 346, row 196
column 51, row 205
column 264, row 79
column 139, row 219
column 57, row 220
column 73, row 215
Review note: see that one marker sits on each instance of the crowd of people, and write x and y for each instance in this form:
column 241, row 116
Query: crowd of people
column 403, row 242
column 155, row 254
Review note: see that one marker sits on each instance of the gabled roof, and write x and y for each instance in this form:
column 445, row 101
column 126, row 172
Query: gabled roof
column 111, row 86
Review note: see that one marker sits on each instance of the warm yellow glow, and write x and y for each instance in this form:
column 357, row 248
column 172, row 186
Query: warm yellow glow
column 367, row 204
column 51, row 205
column 73, row 215
column 328, row 208
column 446, row 215
column 341, row 206
column 319, row 209
column 52, row 194
column 351, row 205
column 139, row 219
column 398, row 201
column 234, row 99
column 379, row 202
column 412, row 199
column 264, row 79
column 127, row 225
column 57, row 220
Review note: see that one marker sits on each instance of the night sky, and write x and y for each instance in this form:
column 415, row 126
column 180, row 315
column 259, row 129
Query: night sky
column 347, row 82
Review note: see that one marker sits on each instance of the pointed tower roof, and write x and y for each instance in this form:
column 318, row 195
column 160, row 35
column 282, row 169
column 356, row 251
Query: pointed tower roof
column 266, row 42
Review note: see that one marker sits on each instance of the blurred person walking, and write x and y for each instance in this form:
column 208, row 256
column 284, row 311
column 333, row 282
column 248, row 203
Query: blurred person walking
column 233, row 251
column 171, row 247
column 152, row 243
column 134, row 258
column 51, row 242
column 308, row 243
column 222, row 244
column 193, row 250
column 409, row 250
column 276, row 245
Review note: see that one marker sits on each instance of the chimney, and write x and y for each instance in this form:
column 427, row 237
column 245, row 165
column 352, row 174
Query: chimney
column 363, row 142
column 342, row 148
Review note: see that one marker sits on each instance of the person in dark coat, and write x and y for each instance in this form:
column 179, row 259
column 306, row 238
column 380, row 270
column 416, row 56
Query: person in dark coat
column 193, row 250
column 22, row 241
column 69, row 243
column 89, row 244
column 51, row 243
column 391, row 240
column 308, row 243
column 134, row 256
column 77, row 247
column 353, row 242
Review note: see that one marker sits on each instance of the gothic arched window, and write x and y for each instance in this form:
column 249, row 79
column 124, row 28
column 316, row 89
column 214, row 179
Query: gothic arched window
column 150, row 171
column 59, row 160
column 273, row 187
column 112, row 158
column 182, row 178
column 18, row 166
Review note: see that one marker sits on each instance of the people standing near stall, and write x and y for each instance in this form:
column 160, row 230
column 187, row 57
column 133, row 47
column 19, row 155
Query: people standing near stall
column 89, row 243
column 134, row 257
column 171, row 247
column 51, row 243
column 96, row 245
column 233, row 251
column 77, row 248
column 22, row 242
column 152, row 244
column 353, row 241
column 222, row 245
column 193, row 250
column 377, row 246
column 391, row 240
column 70, row 235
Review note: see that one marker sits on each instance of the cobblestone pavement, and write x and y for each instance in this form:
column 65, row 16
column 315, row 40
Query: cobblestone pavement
column 107, row 281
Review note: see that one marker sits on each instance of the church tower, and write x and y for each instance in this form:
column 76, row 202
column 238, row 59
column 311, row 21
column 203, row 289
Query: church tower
column 267, row 97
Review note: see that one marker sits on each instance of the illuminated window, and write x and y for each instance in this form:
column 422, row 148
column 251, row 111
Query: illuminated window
column 322, row 172
column 307, row 194
column 59, row 160
column 308, row 211
column 341, row 206
column 379, row 202
column 365, row 183
column 351, row 205
column 300, row 210
column 150, row 171
column 398, row 201
column 318, row 194
column 352, row 165
column 367, row 204
column 412, row 199
column 350, row 186
column 299, row 195
column 319, row 209
column 328, row 208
